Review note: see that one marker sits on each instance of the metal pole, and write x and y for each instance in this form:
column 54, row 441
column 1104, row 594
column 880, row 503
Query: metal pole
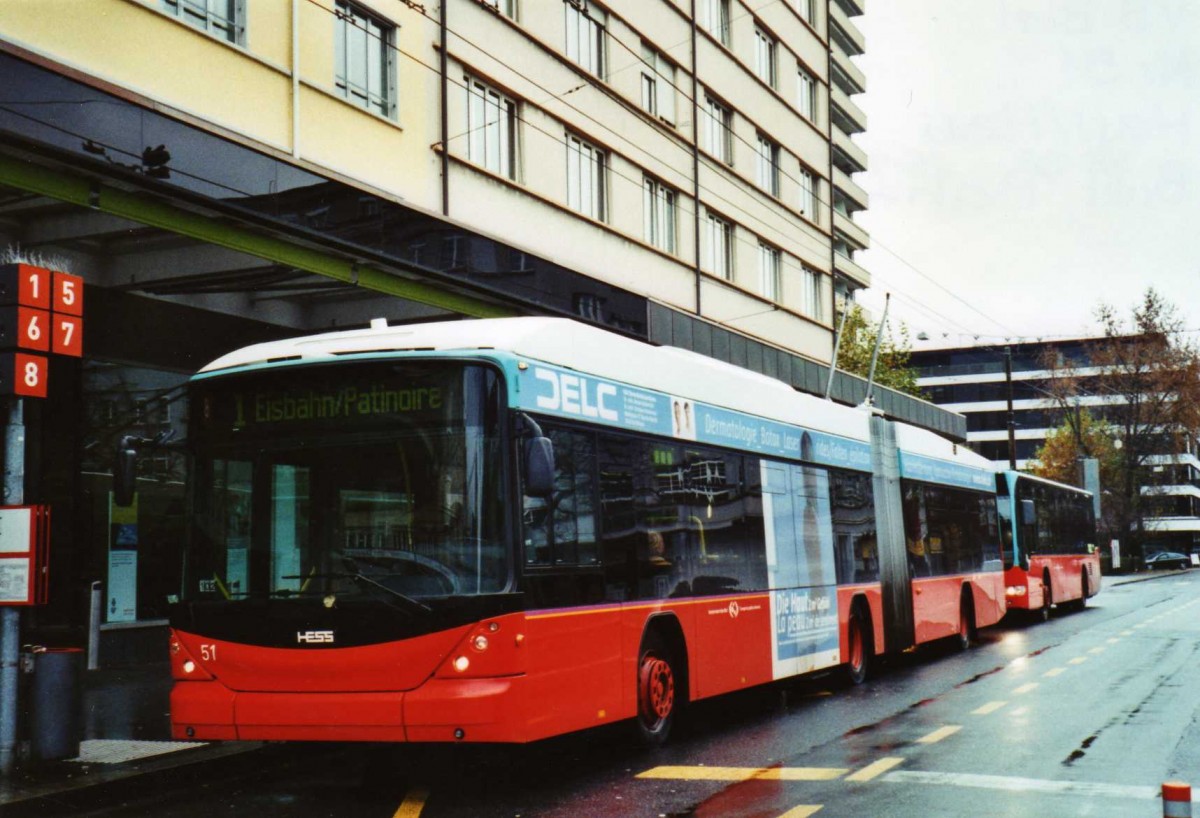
column 887, row 300
column 837, row 345
column 1012, row 426
column 94, row 617
column 10, row 632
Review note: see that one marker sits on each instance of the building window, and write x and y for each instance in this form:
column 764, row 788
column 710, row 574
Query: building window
column 807, row 95
column 364, row 66
column 768, row 165
column 491, row 129
column 807, row 10
column 714, row 18
column 585, row 178
column 810, row 296
column 718, row 130
column 658, row 208
column 658, row 84
column 506, row 7
column 221, row 18
column 769, row 271
column 808, row 194
column 585, row 36
column 718, row 247
column 764, row 56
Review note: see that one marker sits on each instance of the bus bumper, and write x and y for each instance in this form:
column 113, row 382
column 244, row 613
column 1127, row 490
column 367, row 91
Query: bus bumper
column 441, row 710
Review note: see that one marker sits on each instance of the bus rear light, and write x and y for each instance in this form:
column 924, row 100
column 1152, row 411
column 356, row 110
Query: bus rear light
column 461, row 664
column 1015, row 590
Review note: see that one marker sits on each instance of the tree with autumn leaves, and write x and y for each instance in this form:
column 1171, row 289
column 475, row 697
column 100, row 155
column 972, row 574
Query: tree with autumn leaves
column 857, row 344
column 1147, row 371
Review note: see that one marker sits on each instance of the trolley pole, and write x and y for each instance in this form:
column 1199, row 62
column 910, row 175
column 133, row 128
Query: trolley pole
column 10, row 633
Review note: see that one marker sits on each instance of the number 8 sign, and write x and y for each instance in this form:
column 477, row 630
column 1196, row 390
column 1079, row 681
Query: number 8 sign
column 22, row 374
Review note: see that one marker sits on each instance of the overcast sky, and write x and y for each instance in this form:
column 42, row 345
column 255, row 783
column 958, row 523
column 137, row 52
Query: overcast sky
column 1033, row 158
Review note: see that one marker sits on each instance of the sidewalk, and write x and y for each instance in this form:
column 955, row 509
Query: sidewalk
column 126, row 747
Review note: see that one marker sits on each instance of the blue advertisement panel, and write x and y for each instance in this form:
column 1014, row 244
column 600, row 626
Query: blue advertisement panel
column 931, row 470
column 567, row 393
column 800, row 564
column 806, row 622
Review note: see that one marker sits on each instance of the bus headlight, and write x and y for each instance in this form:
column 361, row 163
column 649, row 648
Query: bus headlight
column 1015, row 590
column 461, row 664
column 480, row 642
column 189, row 666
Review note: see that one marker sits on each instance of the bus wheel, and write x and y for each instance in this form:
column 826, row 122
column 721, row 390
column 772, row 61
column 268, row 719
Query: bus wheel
column 966, row 621
column 1083, row 593
column 1047, row 600
column 859, row 636
column 657, row 696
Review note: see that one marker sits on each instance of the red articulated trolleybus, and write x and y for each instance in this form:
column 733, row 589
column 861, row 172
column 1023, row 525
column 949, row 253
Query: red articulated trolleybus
column 1048, row 532
column 507, row 529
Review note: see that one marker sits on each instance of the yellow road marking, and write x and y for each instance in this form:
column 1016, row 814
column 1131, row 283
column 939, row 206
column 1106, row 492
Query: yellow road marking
column 412, row 804
column 1127, row 633
column 1025, row 688
column 875, row 769
column 939, row 734
column 800, row 774
column 744, row 773
column 1113, row 641
column 1055, row 672
column 1078, row 660
column 990, row 707
column 1020, row 711
column 1098, row 649
column 802, row 811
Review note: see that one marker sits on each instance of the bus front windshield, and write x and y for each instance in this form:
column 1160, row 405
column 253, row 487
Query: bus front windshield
column 379, row 479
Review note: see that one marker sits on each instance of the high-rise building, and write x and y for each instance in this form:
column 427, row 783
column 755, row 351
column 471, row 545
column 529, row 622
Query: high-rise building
column 972, row 381
column 225, row 171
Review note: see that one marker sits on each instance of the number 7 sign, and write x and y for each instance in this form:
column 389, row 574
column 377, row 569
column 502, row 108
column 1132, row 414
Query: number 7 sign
column 67, row 337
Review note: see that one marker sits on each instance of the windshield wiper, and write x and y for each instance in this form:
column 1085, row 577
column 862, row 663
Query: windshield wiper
column 358, row 576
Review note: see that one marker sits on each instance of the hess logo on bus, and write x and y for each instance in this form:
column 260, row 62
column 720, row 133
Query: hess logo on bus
column 315, row 637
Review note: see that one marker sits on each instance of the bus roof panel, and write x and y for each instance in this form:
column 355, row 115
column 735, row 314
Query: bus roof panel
column 584, row 348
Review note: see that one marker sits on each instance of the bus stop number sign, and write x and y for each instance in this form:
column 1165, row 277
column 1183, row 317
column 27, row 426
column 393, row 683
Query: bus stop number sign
column 40, row 311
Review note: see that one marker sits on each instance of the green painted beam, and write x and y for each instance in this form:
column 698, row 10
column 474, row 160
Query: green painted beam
column 68, row 188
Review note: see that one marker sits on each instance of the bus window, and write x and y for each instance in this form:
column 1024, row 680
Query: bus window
column 561, row 530
column 854, row 526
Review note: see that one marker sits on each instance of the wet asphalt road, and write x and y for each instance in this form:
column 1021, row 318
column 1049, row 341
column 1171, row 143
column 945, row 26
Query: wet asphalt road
column 1084, row 715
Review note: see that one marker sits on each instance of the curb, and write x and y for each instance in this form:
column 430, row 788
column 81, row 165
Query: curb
column 1126, row 579
column 87, row 786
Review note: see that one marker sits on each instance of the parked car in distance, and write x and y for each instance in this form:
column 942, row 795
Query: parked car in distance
column 1168, row 559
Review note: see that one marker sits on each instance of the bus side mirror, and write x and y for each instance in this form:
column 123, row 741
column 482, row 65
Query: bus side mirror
column 1028, row 513
column 124, row 473
column 539, row 467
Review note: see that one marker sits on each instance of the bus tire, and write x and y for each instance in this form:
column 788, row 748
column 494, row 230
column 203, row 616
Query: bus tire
column 861, row 646
column 658, row 693
column 1081, row 603
column 1047, row 599
column 967, row 632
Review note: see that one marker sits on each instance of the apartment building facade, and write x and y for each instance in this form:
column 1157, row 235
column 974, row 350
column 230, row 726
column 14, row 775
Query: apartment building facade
column 973, row 382
column 222, row 172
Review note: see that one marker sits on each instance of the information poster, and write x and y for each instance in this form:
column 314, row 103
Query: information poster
column 122, row 586
column 14, row 580
column 122, row 562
